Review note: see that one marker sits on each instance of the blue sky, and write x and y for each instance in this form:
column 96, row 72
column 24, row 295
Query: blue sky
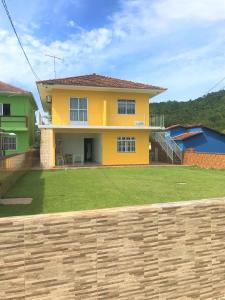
column 177, row 44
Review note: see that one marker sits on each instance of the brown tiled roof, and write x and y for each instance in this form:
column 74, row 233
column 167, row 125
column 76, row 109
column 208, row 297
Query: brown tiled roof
column 174, row 126
column 95, row 80
column 5, row 87
column 188, row 126
column 186, row 135
column 197, row 125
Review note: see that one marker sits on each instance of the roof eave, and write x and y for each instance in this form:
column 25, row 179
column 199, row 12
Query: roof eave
column 11, row 92
column 175, row 126
column 187, row 137
column 49, row 87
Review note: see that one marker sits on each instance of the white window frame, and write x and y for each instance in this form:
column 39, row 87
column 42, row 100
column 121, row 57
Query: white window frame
column 78, row 122
column 1, row 109
column 7, row 145
column 126, row 101
column 126, row 144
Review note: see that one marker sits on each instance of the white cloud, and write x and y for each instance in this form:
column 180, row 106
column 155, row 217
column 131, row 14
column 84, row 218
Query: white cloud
column 158, row 16
column 136, row 44
column 74, row 25
column 77, row 52
column 207, row 10
column 71, row 23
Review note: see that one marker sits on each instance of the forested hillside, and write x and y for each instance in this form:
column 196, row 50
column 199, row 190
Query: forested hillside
column 208, row 110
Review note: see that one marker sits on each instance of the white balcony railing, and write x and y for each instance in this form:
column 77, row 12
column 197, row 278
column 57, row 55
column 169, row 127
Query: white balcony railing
column 138, row 120
column 44, row 119
column 47, row 120
column 157, row 121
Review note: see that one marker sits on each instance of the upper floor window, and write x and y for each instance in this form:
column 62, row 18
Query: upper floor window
column 126, row 107
column 78, row 109
column 4, row 109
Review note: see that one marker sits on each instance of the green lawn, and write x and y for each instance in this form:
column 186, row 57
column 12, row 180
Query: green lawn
column 79, row 189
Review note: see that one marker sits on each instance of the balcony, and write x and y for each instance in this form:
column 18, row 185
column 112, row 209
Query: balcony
column 155, row 122
column 14, row 122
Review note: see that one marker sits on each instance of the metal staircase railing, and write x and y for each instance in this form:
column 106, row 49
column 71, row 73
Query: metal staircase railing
column 168, row 145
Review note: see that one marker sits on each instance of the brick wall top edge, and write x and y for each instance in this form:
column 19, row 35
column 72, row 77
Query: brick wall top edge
column 197, row 152
column 112, row 211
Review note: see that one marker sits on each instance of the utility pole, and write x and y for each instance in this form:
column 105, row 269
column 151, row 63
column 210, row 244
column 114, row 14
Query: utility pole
column 54, row 58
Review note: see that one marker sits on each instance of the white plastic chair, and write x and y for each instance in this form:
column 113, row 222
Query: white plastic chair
column 60, row 160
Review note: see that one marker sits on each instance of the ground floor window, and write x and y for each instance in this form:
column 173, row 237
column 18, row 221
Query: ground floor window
column 126, row 144
column 9, row 143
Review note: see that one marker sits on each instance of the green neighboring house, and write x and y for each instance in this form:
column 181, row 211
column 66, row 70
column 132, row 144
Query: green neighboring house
column 17, row 117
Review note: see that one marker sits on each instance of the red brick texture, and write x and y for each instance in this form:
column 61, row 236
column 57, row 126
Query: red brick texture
column 204, row 160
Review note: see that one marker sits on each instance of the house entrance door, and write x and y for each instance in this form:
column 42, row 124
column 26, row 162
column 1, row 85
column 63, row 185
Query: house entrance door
column 88, row 150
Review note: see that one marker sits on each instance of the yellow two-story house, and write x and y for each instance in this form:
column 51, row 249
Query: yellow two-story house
column 95, row 119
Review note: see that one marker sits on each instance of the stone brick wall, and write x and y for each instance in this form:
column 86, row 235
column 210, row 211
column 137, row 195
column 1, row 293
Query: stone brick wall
column 161, row 251
column 205, row 160
column 47, row 148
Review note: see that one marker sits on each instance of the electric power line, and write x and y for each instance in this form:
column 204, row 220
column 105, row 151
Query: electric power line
column 215, row 85
column 28, row 61
column 20, row 43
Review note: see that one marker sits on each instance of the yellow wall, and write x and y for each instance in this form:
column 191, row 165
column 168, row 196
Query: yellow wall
column 102, row 107
column 110, row 156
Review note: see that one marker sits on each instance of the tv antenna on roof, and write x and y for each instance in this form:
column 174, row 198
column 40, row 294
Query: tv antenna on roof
column 54, row 58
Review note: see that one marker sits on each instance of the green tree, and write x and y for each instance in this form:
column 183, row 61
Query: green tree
column 208, row 110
